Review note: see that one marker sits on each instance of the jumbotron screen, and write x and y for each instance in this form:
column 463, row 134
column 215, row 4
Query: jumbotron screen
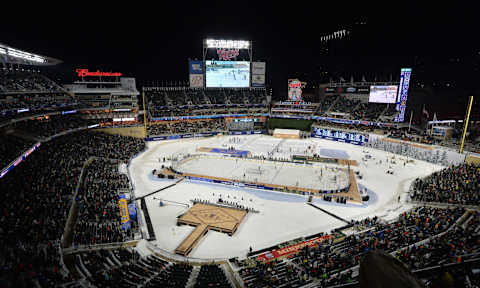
column 383, row 94
column 227, row 73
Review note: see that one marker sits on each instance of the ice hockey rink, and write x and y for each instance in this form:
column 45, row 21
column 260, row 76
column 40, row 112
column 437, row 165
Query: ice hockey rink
column 282, row 216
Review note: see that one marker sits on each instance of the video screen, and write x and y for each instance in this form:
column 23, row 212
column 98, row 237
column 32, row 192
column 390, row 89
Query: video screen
column 383, row 94
column 227, row 73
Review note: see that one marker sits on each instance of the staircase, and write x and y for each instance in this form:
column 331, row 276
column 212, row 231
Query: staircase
column 192, row 280
column 332, row 105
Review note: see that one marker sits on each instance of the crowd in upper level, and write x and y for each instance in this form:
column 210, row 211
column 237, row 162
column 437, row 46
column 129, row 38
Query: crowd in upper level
column 21, row 80
column 165, row 102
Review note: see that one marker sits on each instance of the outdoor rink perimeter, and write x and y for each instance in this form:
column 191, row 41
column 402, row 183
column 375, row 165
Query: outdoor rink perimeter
column 281, row 216
column 316, row 176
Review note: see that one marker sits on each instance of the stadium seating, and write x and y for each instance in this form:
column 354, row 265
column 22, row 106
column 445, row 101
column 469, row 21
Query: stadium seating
column 454, row 185
column 184, row 127
column 37, row 197
column 52, row 125
column 15, row 80
column 211, row 276
column 165, row 102
column 24, row 92
column 99, row 223
column 331, row 262
column 12, row 147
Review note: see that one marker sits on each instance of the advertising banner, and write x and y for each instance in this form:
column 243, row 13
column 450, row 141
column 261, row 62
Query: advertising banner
column 195, row 67
column 132, row 211
column 403, row 93
column 258, row 80
column 196, row 80
column 293, row 249
column 348, row 90
column 124, row 216
column 258, row 68
column 295, row 89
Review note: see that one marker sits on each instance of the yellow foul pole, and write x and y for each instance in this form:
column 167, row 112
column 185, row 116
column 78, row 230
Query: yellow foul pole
column 144, row 113
column 465, row 125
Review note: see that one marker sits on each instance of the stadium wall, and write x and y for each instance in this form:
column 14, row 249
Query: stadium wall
column 138, row 132
column 298, row 124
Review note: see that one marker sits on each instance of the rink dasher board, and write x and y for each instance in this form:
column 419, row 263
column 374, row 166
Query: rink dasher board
column 201, row 135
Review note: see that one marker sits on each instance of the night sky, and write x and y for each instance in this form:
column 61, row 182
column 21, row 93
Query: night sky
column 153, row 42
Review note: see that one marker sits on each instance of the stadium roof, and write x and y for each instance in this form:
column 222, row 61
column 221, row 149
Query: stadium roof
column 16, row 56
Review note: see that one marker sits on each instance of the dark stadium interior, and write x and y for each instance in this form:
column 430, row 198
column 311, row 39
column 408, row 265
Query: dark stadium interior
column 65, row 196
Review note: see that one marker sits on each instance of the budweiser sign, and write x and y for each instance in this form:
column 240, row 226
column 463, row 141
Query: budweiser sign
column 85, row 72
column 227, row 54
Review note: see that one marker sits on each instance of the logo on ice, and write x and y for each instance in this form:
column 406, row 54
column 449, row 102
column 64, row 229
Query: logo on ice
column 227, row 54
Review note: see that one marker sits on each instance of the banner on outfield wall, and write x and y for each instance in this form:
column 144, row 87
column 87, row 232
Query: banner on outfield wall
column 197, row 135
column 196, row 80
column 124, row 216
column 258, row 80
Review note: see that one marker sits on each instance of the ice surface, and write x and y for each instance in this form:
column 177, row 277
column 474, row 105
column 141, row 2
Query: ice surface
column 282, row 216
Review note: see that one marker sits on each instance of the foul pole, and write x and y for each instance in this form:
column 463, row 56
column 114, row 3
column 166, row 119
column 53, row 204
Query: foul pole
column 144, row 114
column 465, row 125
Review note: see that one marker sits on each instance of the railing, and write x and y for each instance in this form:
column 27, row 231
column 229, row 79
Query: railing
column 87, row 248
column 178, row 258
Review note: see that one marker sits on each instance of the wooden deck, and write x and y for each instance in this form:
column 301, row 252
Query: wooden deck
column 208, row 217
column 353, row 194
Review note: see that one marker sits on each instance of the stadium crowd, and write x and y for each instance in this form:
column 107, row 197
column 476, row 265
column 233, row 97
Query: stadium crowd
column 52, row 125
column 15, row 80
column 186, row 126
column 12, row 147
column 98, row 216
column 329, row 262
column 37, row 197
column 454, row 185
column 166, row 102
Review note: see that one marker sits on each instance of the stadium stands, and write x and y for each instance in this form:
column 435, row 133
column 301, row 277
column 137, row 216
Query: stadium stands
column 44, row 127
column 331, row 262
column 12, row 147
column 23, row 92
column 186, row 126
column 181, row 101
column 454, row 185
column 97, row 223
column 37, row 197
